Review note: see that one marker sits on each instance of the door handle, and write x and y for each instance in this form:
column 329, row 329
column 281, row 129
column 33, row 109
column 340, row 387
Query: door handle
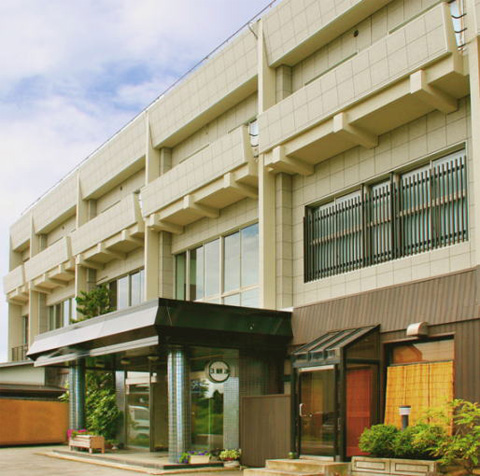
column 300, row 410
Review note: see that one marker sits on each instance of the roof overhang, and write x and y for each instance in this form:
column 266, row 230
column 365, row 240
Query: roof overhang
column 163, row 322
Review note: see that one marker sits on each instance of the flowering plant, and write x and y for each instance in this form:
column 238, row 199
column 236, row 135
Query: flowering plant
column 230, row 455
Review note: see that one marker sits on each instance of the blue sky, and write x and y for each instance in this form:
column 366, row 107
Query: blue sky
column 74, row 72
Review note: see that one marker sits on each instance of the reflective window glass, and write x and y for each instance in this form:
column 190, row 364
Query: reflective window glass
column 180, row 277
column 122, row 293
column 232, row 300
column 136, row 289
column 251, row 298
column 212, row 268
column 423, row 352
column 231, row 279
column 249, row 237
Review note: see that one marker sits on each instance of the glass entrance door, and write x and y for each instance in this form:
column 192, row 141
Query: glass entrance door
column 317, row 411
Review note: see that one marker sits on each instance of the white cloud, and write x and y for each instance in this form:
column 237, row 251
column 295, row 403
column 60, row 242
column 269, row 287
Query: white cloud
column 73, row 73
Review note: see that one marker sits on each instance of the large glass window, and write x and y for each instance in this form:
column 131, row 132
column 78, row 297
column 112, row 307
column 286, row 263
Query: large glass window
column 407, row 214
column 61, row 314
column 127, row 290
column 223, row 270
column 420, row 374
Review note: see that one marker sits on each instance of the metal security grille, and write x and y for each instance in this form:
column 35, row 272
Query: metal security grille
column 408, row 214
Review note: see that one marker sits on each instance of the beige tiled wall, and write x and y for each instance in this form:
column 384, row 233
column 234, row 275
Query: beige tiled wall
column 423, row 138
column 64, row 229
column 14, row 279
column 133, row 183
column 229, row 152
column 117, row 218
column 118, row 268
column 59, row 202
column 369, row 31
column 60, row 294
column 231, row 218
column 423, row 40
column 20, row 231
column 228, row 121
column 232, row 67
column 47, row 259
column 292, row 22
column 114, row 159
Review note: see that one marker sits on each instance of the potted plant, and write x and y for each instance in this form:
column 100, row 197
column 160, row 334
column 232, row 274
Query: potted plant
column 230, row 457
column 393, row 451
column 194, row 457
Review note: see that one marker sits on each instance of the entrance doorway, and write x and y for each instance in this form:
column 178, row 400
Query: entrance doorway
column 336, row 391
column 317, row 412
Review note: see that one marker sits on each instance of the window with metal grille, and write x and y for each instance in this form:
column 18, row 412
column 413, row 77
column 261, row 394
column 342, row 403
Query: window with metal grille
column 407, row 213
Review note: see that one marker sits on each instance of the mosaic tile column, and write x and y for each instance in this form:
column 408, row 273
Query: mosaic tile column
column 178, row 403
column 77, row 395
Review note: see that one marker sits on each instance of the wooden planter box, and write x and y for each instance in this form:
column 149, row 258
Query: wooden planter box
column 89, row 442
column 370, row 466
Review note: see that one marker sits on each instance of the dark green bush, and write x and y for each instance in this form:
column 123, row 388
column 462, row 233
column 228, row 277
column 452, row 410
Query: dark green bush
column 420, row 441
column 379, row 440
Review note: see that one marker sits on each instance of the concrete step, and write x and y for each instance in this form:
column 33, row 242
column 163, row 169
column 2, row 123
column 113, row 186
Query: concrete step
column 275, row 472
column 298, row 465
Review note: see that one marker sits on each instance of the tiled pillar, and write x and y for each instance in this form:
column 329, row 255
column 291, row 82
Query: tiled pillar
column 178, row 403
column 77, row 395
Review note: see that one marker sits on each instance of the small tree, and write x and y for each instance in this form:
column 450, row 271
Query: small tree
column 93, row 303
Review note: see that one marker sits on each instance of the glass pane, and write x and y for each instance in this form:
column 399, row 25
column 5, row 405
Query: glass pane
column 251, row 298
column 233, row 300
column 423, row 352
column 212, row 268
column 232, row 263
column 249, row 237
column 180, row 283
column 317, row 412
column 138, row 416
column 136, row 288
column 66, row 312
column 196, row 274
column 122, row 293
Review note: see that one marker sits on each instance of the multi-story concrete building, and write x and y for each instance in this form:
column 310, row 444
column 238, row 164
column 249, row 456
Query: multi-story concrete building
column 324, row 162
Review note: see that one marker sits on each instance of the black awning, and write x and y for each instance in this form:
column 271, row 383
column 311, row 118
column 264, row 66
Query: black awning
column 327, row 349
column 163, row 321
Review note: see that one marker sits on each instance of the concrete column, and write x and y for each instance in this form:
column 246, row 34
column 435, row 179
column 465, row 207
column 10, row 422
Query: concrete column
column 266, row 184
column 166, row 263
column 14, row 328
column 178, row 403
column 284, row 240
column 152, row 272
column 474, row 152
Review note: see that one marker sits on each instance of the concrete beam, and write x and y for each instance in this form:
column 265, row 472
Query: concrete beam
column 431, row 95
column 282, row 163
column 202, row 210
column 352, row 133
column 246, row 190
column 155, row 223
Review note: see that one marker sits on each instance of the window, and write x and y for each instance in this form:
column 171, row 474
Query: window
column 224, row 270
column 420, row 374
column 409, row 213
column 127, row 290
column 62, row 314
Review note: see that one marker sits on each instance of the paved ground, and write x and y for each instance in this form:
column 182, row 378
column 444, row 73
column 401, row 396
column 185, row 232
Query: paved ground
column 27, row 461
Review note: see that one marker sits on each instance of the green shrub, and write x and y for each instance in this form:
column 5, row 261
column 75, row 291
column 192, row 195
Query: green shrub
column 420, row 441
column 462, row 447
column 379, row 440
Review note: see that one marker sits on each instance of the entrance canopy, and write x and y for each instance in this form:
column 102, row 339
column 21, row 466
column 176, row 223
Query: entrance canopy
column 328, row 348
column 163, row 322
